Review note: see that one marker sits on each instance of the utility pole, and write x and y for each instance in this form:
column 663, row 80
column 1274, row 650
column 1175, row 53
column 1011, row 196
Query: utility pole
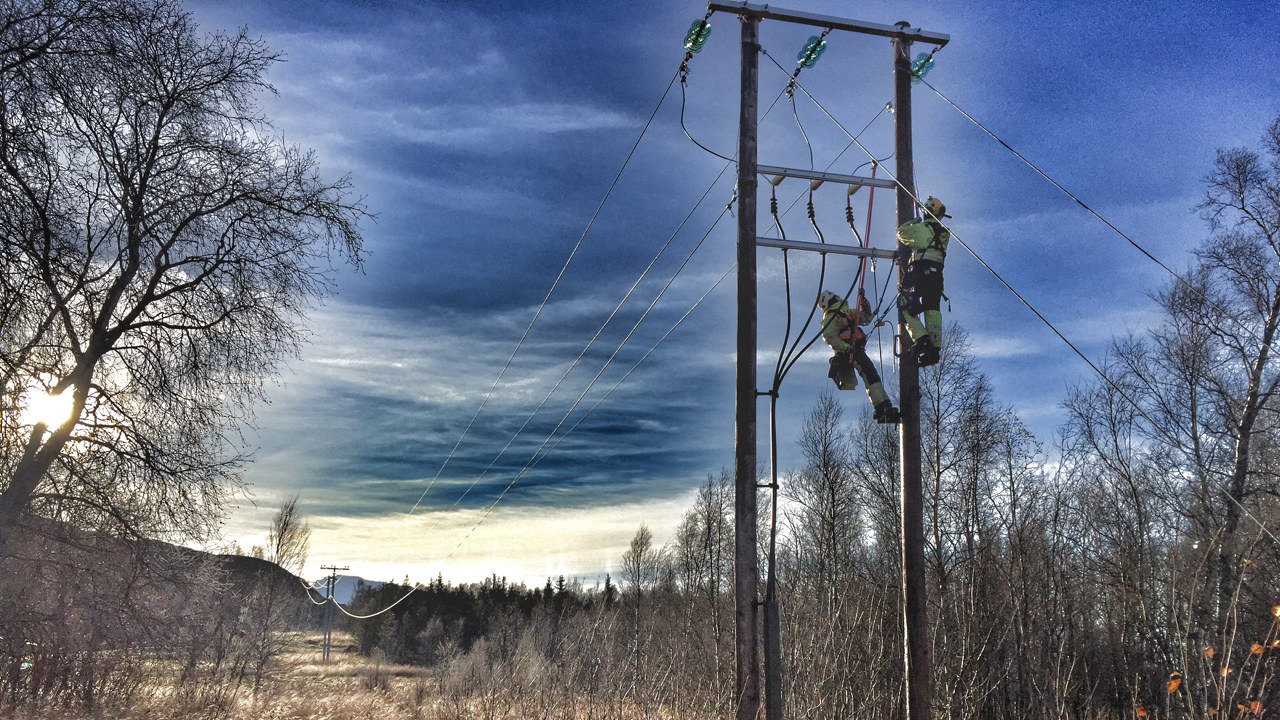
column 746, row 564
column 914, row 621
column 330, row 583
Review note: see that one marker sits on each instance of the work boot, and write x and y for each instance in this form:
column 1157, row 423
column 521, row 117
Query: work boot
column 886, row 413
column 925, row 352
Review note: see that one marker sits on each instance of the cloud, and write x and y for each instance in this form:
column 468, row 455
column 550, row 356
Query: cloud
column 990, row 346
column 484, row 135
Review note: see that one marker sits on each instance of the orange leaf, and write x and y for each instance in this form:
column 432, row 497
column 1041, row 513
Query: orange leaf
column 1275, row 643
column 1208, row 652
column 1255, row 649
column 1275, row 610
column 1174, row 681
column 1211, row 712
column 1255, row 707
column 1142, row 712
column 1227, row 671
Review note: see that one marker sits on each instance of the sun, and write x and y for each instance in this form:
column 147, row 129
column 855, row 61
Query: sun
column 42, row 407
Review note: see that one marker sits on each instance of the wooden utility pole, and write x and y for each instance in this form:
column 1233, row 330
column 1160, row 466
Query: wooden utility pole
column 914, row 620
column 330, row 583
column 746, row 563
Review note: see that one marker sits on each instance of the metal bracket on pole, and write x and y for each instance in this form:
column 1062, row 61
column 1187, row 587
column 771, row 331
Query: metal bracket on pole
column 767, row 12
column 857, row 180
column 824, row 248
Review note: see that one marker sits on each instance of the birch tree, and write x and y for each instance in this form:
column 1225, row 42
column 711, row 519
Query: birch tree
column 160, row 248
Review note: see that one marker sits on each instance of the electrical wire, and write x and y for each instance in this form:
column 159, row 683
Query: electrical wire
column 538, row 313
column 1092, row 212
column 686, row 130
column 644, row 357
column 1062, row 337
column 538, row 454
column 547, row 397
column 580, row 356
column 617, row 308
column 556, row 283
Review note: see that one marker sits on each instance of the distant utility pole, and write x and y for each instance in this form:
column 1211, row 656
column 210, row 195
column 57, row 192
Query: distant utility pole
column 746, row 565
column 330, row 583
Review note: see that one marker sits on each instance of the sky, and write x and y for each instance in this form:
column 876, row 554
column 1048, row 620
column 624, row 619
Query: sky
column 484, row 136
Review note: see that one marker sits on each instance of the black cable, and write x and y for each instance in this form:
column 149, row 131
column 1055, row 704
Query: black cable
column 686, row 130
column 1092, row 212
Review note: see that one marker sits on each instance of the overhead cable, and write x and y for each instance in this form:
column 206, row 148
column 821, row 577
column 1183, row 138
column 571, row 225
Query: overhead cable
column 556, row 283
column 1092, row 212
column 1082, row 356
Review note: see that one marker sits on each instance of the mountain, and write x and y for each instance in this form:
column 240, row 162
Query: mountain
column 346, row 587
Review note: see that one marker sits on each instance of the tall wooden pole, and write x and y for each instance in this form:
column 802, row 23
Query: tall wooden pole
column 914, row 620
column 746, row 563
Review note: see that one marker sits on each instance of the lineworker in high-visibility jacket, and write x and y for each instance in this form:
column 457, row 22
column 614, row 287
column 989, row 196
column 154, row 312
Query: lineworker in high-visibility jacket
column 840, row 330
column 926, row 240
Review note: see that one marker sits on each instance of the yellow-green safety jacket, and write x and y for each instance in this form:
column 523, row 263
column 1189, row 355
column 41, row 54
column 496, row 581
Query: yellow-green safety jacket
column 926, row 239
column 838, row 327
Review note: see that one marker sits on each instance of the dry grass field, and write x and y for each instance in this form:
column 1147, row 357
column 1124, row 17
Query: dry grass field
column 349, row 687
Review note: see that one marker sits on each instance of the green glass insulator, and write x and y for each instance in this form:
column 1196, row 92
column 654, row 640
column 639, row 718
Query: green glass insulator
column 697, row 36
column 804, row 53
column 811, row 52
column 921, row 66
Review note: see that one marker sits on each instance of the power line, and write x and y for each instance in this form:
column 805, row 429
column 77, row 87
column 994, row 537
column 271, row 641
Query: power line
column 538, row 455
column 679, row 73
column 1092, row 212
column 644, row 357
column 547, row 397
column 1156, row 426
column 537, row 314
column 554, row 285
column 617, row 308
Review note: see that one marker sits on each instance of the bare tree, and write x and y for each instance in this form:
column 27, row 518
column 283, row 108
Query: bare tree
column 641, row 563
column 161, row 246
column 274, row 602
column 823, row 527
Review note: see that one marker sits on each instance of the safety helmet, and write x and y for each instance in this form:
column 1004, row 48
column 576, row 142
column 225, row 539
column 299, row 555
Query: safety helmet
column 934, row 207
column 825, row 298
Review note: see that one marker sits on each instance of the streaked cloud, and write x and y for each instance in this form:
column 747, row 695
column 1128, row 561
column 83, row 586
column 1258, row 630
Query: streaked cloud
column 484, row 136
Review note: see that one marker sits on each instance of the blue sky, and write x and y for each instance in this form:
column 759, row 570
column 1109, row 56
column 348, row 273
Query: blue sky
column 484, row 135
